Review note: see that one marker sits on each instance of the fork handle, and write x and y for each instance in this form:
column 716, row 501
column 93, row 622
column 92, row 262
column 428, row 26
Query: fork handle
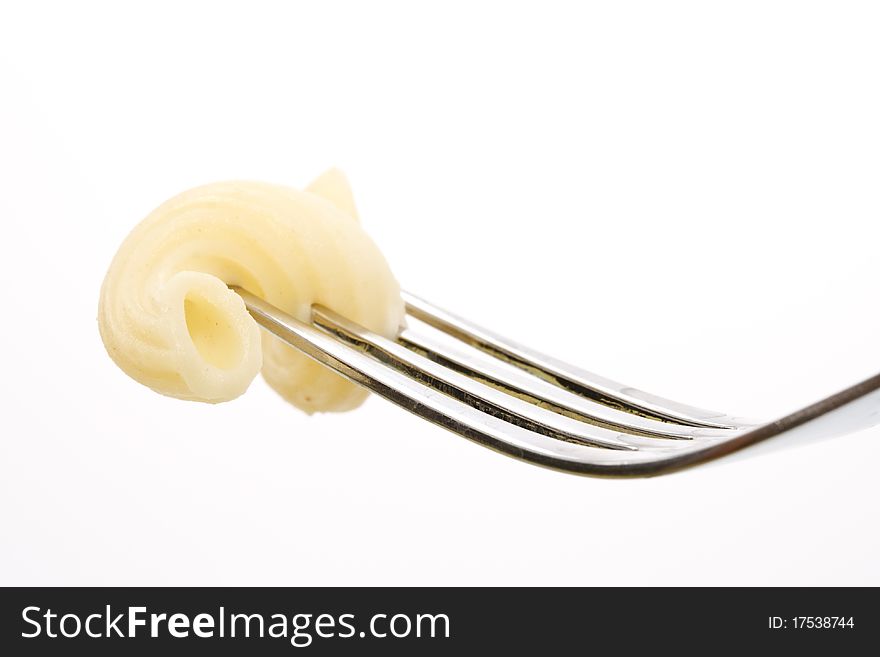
column 848, row 411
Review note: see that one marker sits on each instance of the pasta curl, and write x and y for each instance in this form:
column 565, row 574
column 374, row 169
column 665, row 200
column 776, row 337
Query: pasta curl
column 168, row 319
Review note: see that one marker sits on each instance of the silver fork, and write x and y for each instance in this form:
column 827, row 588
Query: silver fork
column 533, row 407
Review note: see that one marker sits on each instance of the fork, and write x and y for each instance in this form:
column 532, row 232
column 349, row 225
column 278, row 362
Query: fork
column 533, row 407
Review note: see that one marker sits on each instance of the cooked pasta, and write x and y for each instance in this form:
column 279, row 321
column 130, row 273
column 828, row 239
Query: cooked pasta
column 168, row 319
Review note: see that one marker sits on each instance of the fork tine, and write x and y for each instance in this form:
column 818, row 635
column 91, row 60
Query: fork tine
column 576, row 380
column 482, row 397
column 513, row 381
column 445, row 410
column 450, row 412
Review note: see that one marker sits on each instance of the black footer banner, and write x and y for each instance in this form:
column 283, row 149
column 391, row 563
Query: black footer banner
column 277, row 621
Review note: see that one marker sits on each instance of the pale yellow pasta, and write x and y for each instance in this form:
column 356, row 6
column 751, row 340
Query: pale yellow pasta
column 168, row 319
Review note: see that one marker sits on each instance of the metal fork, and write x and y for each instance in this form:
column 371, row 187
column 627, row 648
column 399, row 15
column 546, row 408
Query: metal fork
column 533, row 407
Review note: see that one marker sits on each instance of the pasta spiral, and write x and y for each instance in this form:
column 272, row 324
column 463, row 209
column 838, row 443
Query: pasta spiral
column 168, row 319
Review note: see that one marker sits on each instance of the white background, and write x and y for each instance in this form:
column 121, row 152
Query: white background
column 682, row 196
